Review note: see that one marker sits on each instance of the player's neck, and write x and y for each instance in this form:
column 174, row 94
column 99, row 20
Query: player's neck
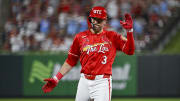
column 94, row 32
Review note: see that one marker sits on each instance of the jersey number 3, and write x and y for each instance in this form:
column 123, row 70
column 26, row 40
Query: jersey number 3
column 104, row 60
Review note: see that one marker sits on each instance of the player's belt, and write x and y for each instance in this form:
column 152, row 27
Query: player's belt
column 93, row 77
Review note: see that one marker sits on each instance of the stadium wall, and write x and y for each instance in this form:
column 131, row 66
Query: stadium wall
column 133, row 76
column 159, row 75
column 11, row 76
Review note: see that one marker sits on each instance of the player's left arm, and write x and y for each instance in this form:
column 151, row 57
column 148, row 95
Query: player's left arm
column 129, row 45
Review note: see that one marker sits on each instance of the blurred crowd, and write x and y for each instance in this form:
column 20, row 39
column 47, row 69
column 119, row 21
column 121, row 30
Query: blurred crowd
column 49, row 25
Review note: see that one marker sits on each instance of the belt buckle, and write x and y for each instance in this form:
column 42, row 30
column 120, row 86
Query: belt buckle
column 90, row 77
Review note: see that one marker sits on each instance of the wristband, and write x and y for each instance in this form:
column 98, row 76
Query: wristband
column 58, row 76
column 131, row 30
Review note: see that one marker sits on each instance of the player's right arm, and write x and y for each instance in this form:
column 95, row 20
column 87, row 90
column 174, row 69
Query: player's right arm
column 65, row 68
column 71, row 61
column 52, row 82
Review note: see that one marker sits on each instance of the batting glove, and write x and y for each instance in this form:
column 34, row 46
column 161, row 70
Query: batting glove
column 51, row 83
column 128, row 24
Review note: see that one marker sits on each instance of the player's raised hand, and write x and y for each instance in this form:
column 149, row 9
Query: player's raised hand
column 51, row 83
column 128, row 23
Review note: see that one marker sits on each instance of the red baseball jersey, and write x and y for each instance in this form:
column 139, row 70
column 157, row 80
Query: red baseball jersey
column 95, row 51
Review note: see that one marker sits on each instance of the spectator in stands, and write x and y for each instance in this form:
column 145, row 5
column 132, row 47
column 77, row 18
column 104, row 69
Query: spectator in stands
column 57, row 19
column 72, row 24
column 15, row 41
column 114, row 24
column 82, row 24
column 44, row 25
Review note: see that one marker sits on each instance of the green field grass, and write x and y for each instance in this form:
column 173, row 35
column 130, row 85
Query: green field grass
column 123, row 99
column 173, row 46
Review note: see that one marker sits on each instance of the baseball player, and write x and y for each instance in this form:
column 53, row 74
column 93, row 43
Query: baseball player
column 96, row 49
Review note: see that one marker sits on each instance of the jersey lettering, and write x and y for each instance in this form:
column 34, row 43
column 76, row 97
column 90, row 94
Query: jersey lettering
column 103, row 49
column 98, row 47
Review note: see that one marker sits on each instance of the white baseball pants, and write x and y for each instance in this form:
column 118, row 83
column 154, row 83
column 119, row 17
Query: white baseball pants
column 99, row 89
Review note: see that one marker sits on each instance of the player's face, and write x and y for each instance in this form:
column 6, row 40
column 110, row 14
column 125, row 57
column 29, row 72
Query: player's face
column 98, row 24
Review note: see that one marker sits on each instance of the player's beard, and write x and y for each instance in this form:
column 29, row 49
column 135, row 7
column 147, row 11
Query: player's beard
column 97, row 28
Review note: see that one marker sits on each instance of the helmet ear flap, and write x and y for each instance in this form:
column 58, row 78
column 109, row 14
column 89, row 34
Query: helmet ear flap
column 89, row 22
column 89, row 18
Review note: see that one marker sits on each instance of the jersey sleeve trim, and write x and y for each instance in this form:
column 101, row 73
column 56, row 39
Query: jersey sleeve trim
column 73, row 54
